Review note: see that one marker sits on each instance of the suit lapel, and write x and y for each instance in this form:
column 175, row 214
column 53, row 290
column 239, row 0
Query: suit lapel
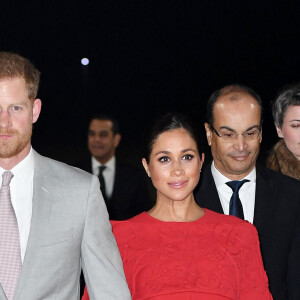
column 207, row 195
column 264, row 198
column 41, row 208
column 118, row 177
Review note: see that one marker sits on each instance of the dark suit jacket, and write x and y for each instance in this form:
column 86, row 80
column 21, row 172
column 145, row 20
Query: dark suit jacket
column 277, row 219
column 130, row 192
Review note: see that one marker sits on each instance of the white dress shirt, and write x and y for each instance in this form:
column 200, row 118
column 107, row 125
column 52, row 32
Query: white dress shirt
column 246, row 192
column 21, row 191
column 108, row 174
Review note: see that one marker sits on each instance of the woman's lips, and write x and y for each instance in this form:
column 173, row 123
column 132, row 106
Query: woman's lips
column 178, row 184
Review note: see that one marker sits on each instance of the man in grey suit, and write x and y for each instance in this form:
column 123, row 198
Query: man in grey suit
column 57, row 220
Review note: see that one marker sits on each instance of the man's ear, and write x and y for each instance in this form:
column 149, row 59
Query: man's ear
column 279, row 132
column 146, row 167
column 260, row 138
column 36, row 109
column 202, row 158
column 117, row 139
column 208, row 133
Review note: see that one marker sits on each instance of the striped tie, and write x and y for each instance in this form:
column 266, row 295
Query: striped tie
column 10, row 252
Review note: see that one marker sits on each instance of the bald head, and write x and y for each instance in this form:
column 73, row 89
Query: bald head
column 235, row 92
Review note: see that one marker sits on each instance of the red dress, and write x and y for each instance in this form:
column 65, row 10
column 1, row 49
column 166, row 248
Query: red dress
column 215, row 257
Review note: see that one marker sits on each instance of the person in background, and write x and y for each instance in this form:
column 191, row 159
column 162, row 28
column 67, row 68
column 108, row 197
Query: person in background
column 53, row 219
column 178, row 250
column 123, row 186
column 234, row 184
column 285, row 155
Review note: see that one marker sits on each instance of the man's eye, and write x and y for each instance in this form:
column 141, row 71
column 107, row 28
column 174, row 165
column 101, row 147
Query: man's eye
column 188, row 157
column 103, row 134
column 164, row 159
column 16, row 108
column 228, row 135
column 250, row 133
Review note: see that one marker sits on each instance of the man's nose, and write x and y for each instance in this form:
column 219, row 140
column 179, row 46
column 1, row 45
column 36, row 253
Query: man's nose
column 97, row 137
column 4, row 119
column 240, row 143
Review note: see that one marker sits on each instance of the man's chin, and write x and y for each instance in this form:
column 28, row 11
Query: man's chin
column 98, row 156
column 7, row 154
column 9, row 151
column 241, row 169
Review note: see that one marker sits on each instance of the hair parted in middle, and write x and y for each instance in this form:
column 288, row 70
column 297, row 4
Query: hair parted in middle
column 168, row 122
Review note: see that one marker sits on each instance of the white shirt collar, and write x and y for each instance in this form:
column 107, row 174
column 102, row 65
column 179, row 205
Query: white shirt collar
column 220, row 179
column 23, row 168
column 96, row 164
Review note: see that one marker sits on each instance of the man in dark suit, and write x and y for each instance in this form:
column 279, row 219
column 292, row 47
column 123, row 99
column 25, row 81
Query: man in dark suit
column 123, row 186
column 269, row 200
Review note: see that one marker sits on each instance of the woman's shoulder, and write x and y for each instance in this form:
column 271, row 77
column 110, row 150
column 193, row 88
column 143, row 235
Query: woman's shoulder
column 214, row 217
column 225, row 226
column 135, row 233
column 136, row 219
column 120, row 227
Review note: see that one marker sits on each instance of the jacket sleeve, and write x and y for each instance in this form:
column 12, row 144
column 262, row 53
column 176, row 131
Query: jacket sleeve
column 101, row 262
column 293, row 274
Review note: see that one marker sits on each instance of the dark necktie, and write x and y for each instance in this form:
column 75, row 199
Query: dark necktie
column 235, row 206
column 102, row 182
column 10, row 258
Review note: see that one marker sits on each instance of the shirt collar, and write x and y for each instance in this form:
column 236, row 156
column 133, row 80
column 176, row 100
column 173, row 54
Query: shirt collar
column 96, row 164
column 24, row 167
column 220, row 179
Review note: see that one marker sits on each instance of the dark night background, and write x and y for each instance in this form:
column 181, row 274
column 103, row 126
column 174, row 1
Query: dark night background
column 147, row 57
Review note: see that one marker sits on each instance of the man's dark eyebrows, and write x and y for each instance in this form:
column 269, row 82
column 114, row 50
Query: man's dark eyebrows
column 253, row 127
column 227, row 128
column 104, row 131
column 231, row 129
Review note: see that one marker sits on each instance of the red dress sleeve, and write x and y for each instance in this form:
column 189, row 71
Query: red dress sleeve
column 242, row 245
column 253, row 273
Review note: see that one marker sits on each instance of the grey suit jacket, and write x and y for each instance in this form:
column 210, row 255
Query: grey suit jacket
column 69, row 230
